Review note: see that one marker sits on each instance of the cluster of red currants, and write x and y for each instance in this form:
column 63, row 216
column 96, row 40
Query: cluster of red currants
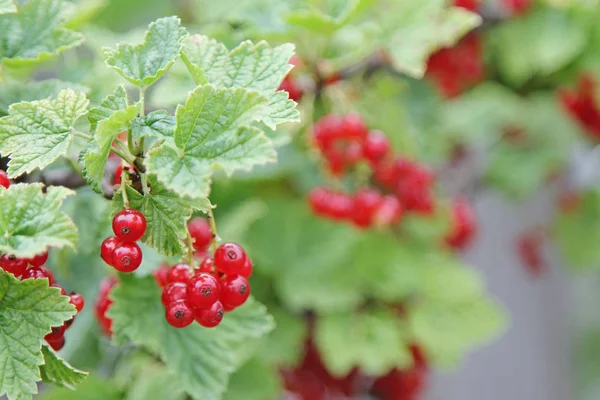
column 32, row 268
column 218, row 285
column 121, row 251
column 582, row 104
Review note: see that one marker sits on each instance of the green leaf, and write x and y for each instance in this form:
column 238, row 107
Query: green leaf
column 154, row 382
column 112, row 117
column 166, row 215
column 284, row 346
column 35, row 33
column 15, row 92
column 374, row 341
column 251, row 66
column 57, row 371
column 36, row 133
column 415, row 29
column 92, row 388
column 159, row 123
column 7, row 6
column 327, row 21
column 28, row 309
column 255, row 380
column 200, row 359
column 145, row 63
column 31, row 221
column 212, row 131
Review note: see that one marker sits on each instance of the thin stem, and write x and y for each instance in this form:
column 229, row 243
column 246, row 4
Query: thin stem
column 144, row 179
column 124, row 180
column 190, row 250
column 142, row 101
column 81, row 134
column 123, row 152
column 130, row 144
column 213, row 229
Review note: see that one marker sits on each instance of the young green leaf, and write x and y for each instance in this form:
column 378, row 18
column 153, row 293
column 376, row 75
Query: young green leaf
column 251, row 66
column 200, row 359
column 145, row 63
column 36, row 33
column 7, row 6
column 31, row 221
column 15, row 92
column 212, row 131
column 57, row 371
column 159, row 123
column 36, row 133
column 28, row 309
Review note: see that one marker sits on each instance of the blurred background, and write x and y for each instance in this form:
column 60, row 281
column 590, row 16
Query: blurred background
column 478, row 279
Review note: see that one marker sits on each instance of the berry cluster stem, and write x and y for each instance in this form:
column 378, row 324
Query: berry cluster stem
column 213, row 229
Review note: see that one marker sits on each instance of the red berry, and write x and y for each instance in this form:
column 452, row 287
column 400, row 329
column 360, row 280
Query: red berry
column 103, row 303
column 160, row 275
column 464, row 224
column 294, row 90
column 211, row 316
column 246, row 272
column 235, row 291
column 340, row 206
column 129, row 225
column 202, row 290
column 173, row 292
column 4, row 180
column 14, row 265
column 366, row 203
column 230, row 258
column 206, row 266
column 228, row 308
column 353, row 127
column 57, row 344
column 107, row 248
column 56, row 334
column 179, row 273
column 199, row 229
column 38, row 260
column 326, row 130
column 388, row 212
column 127, row 257
column 179, row 314
column 69, row 322
column 118, row 173
column 62, row 289
column 77, row 300
column 49, row 274
column 376, row 146
column 319, row 199
column 35, row 273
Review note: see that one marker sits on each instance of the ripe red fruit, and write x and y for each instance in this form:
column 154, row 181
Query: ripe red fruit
column 57, row 344
column 173, row 292
column 160, row 275
column 235, row 290
column 340, row 206
column 227, row 308
column 203, row 290
column 49, row 274
column 127, row 257
column 12, row 264
column 103, row 303
column 210, row 317
column 230, row 258
column 470, row 5
column 62, row 289
column 206, row 266
column 56, row 334
column 129, row 225
column 77, row 300
column 4, row 180
column 318, row 200
column 199, row 229
column 353, row 127
column 107, row 248
column 35, row 273
column 464, row 225
column 246, row 272
column 365, row 203
column 376, row 146
column 179, row 273
column 118, row 173
column 294, row 90
column 179, row 314
column 388, row 212
column 38, row 260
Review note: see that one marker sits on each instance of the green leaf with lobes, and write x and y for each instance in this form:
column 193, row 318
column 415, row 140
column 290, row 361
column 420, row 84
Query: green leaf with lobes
column 252, row 66
column 35, row 33
column 31, row 220
column 36, row 133
column 159, row 123
column 7, row 6
column 58, row 372
column 213, row 131
column 200, row 359
column 28, row 309
column 145, row 63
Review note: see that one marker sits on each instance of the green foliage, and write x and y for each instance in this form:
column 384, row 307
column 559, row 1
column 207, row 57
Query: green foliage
column 92, row 388
column 159, row 124
column 34, row 134
column 14, row 92
column 57, row 371
column 27, row 311
column 7, row 6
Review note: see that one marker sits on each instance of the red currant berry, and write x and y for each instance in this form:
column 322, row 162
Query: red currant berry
column 206, row 266
column 4, row 180
column 57, row 344
column 107, row 248
column 118, row 173
column 199, row 229
column 388, row 212
column 340, row 206
column 127, row 257
column 376, row 146
column 366, row 202
column 35, row 273
column 77, row 300
column 49, row 274
column 228, row 308
column 235, row 290
column 353, row 153
column 103, row 303
column 353, row 127
column 129, row 225
column 179, row 314
column 38, row 260
column 318, row 200
column 56, row 334
column 246, row 272
column 202, row 290
column 179, row 273
column 211, row 316
column 230, row 258
column 173, row 292
column 294, row 90
column 464, row 224
column 160, row 275
column 14, row 265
